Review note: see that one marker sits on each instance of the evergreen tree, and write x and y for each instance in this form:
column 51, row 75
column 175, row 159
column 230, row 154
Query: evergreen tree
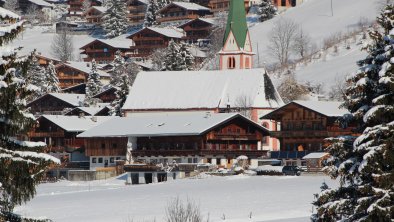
column 122, row 78
column 51, row 78
column 115, row 20
column 178, row 57
column 365, row 164
column 163, row 3
column 36, row 76
column 150, row 16
column 93, row 85
column 267, row 10
column 22, row 164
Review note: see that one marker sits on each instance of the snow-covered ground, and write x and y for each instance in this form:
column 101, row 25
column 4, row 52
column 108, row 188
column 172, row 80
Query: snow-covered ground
column 40, row 38
column 266, row 198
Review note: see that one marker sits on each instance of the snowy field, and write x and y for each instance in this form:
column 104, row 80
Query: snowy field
column 267, row 198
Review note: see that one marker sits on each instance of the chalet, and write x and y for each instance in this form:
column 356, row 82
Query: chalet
column 184, row 138
column 248, row 91
column 93, row 14
column 76, row 7
column 55, row 103
column 149, row 39
column 101, row 109
column 103, row 50
column 136, row 10
column 181, row 11
column 302, row 126
column 75, row 73
column 45, row 60
column 59, row 132
column 196, row 29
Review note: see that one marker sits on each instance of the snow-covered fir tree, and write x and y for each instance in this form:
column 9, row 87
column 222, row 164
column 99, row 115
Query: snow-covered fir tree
column 36, row 76
column 122, row 77
column 151, row 11
column 267, row 10
column 162, row 3
column 114, row 21
column 22, row 163
column 178, row 57
column 365, row 164
column 93, row 85
column 52, row 79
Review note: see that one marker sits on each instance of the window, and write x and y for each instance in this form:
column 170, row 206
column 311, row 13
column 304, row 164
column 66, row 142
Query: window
column 231, row 63
column 247, row 63
column 209, row 160
column 283, row 3
column 100, row 160
column 265, row 140
column 94, row 160
column 112, row 160
column 117, row 158
column 103, row 146
column 114, row 145
column 265, row 124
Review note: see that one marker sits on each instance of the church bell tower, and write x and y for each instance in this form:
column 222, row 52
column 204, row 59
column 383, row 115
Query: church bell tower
column 237, row 51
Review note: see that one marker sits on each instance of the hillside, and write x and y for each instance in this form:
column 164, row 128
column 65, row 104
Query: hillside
column 314, row 16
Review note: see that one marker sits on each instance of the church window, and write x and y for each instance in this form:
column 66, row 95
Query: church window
column 247, row 63
column 231, row 63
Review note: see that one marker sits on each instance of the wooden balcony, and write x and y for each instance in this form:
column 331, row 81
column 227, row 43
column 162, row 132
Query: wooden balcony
column 141, row 153
column 45, row 134
column 176, row 18
column 232, row 136
column 300, row 134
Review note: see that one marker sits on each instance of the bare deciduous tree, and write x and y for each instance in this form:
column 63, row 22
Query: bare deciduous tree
column 290, row 89
column 338, row 89
column 302, row 43
column 178, row 211
column 281, row 39
column 243, row 103
column 62, row 46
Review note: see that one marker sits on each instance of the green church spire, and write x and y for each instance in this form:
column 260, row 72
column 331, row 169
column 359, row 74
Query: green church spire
column 236, row 22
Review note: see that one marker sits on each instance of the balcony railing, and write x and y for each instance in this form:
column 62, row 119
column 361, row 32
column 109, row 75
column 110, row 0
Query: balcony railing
column 46, row 134
column 175, row 18
column 197, row 152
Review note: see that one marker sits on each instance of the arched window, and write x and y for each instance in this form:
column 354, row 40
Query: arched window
column 231, row 63
column 265, row 124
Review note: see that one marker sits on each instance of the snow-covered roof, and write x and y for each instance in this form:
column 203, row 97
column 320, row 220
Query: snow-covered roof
column 73, row 99
column 85, row 67
column 315, row 155
column 162, row 125
column 100, row 8
column 91, row 110
column 196, row 52
column 4, row 13
column 169, row 32
column 187, row 5
column 207, row 20
column 76, row 123
column 118, row 43
column 41, row 3
column 202, row 89
column 327, row 108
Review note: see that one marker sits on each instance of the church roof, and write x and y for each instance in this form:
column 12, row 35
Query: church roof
column 172, row 90
column 236, row 22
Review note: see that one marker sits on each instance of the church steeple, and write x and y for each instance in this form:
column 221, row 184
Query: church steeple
column 237, row 49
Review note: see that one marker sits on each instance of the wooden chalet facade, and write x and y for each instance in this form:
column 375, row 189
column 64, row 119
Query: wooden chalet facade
column 94, row 14
column 107, row 96
column 136, row 10
column 185, row 138
column 178, row 11
column 217, row 6
column 303, row 125
column 283, row 4
column 76, row 73
column 60, row 132
column 103, row 51
column 76, row 7
column 196, row 29
column 149, row 39
column 55, row 103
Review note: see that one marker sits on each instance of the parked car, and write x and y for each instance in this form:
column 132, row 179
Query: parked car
column 291, row 170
